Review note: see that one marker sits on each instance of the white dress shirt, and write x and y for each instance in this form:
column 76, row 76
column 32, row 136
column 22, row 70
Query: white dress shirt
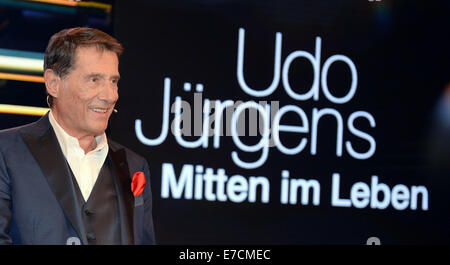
column 85, row 167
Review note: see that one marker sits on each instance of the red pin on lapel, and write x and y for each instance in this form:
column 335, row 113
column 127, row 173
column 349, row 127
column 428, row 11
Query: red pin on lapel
column 138, row 183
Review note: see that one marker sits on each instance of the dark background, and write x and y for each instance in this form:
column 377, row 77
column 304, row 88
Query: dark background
column 400, row 49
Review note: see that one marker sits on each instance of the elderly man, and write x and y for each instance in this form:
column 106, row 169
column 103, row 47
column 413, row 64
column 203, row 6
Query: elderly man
column 61, row 180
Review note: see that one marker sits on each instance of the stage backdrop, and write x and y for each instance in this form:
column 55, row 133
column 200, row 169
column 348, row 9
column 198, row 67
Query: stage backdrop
column 289, row 122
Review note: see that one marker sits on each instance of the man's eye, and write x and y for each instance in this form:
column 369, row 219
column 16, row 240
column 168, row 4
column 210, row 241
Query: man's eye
column 93, row 79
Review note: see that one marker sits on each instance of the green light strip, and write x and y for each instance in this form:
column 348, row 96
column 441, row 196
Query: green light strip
column 25, row 54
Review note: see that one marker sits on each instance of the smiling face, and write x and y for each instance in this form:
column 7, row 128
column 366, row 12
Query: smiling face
column 84, row 99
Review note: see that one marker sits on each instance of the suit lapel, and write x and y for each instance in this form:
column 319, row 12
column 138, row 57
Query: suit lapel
column 125, row 196
column 45, row 148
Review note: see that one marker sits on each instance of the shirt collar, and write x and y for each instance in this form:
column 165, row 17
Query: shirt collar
column 69, row 143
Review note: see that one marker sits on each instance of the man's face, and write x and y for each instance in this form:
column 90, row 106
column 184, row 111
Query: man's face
column 87, row 94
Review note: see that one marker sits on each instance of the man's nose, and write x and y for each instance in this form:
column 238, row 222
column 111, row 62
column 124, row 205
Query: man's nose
column 109, row 93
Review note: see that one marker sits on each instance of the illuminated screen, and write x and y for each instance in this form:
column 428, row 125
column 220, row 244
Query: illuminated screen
column 289, row 122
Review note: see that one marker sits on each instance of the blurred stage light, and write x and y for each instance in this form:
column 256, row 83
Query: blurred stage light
column 87, row 4
column 23, row 110
column 21, row 77
column 21, row 61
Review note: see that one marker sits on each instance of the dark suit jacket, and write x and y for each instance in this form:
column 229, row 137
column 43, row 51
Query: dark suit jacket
column 37, row 195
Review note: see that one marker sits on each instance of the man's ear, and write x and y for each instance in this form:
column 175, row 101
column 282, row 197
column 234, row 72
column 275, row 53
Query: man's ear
column 52, row 82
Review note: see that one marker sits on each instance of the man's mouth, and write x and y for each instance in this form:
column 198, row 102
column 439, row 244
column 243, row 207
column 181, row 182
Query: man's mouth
column 99, row 110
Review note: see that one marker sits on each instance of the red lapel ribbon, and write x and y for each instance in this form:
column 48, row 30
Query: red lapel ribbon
column 138, row 183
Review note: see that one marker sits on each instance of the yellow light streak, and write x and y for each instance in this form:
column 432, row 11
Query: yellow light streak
column 23, row 110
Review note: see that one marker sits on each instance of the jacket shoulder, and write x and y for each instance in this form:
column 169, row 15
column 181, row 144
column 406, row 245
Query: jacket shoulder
column 13, row 131
column 12, row 135
column 37, row 127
